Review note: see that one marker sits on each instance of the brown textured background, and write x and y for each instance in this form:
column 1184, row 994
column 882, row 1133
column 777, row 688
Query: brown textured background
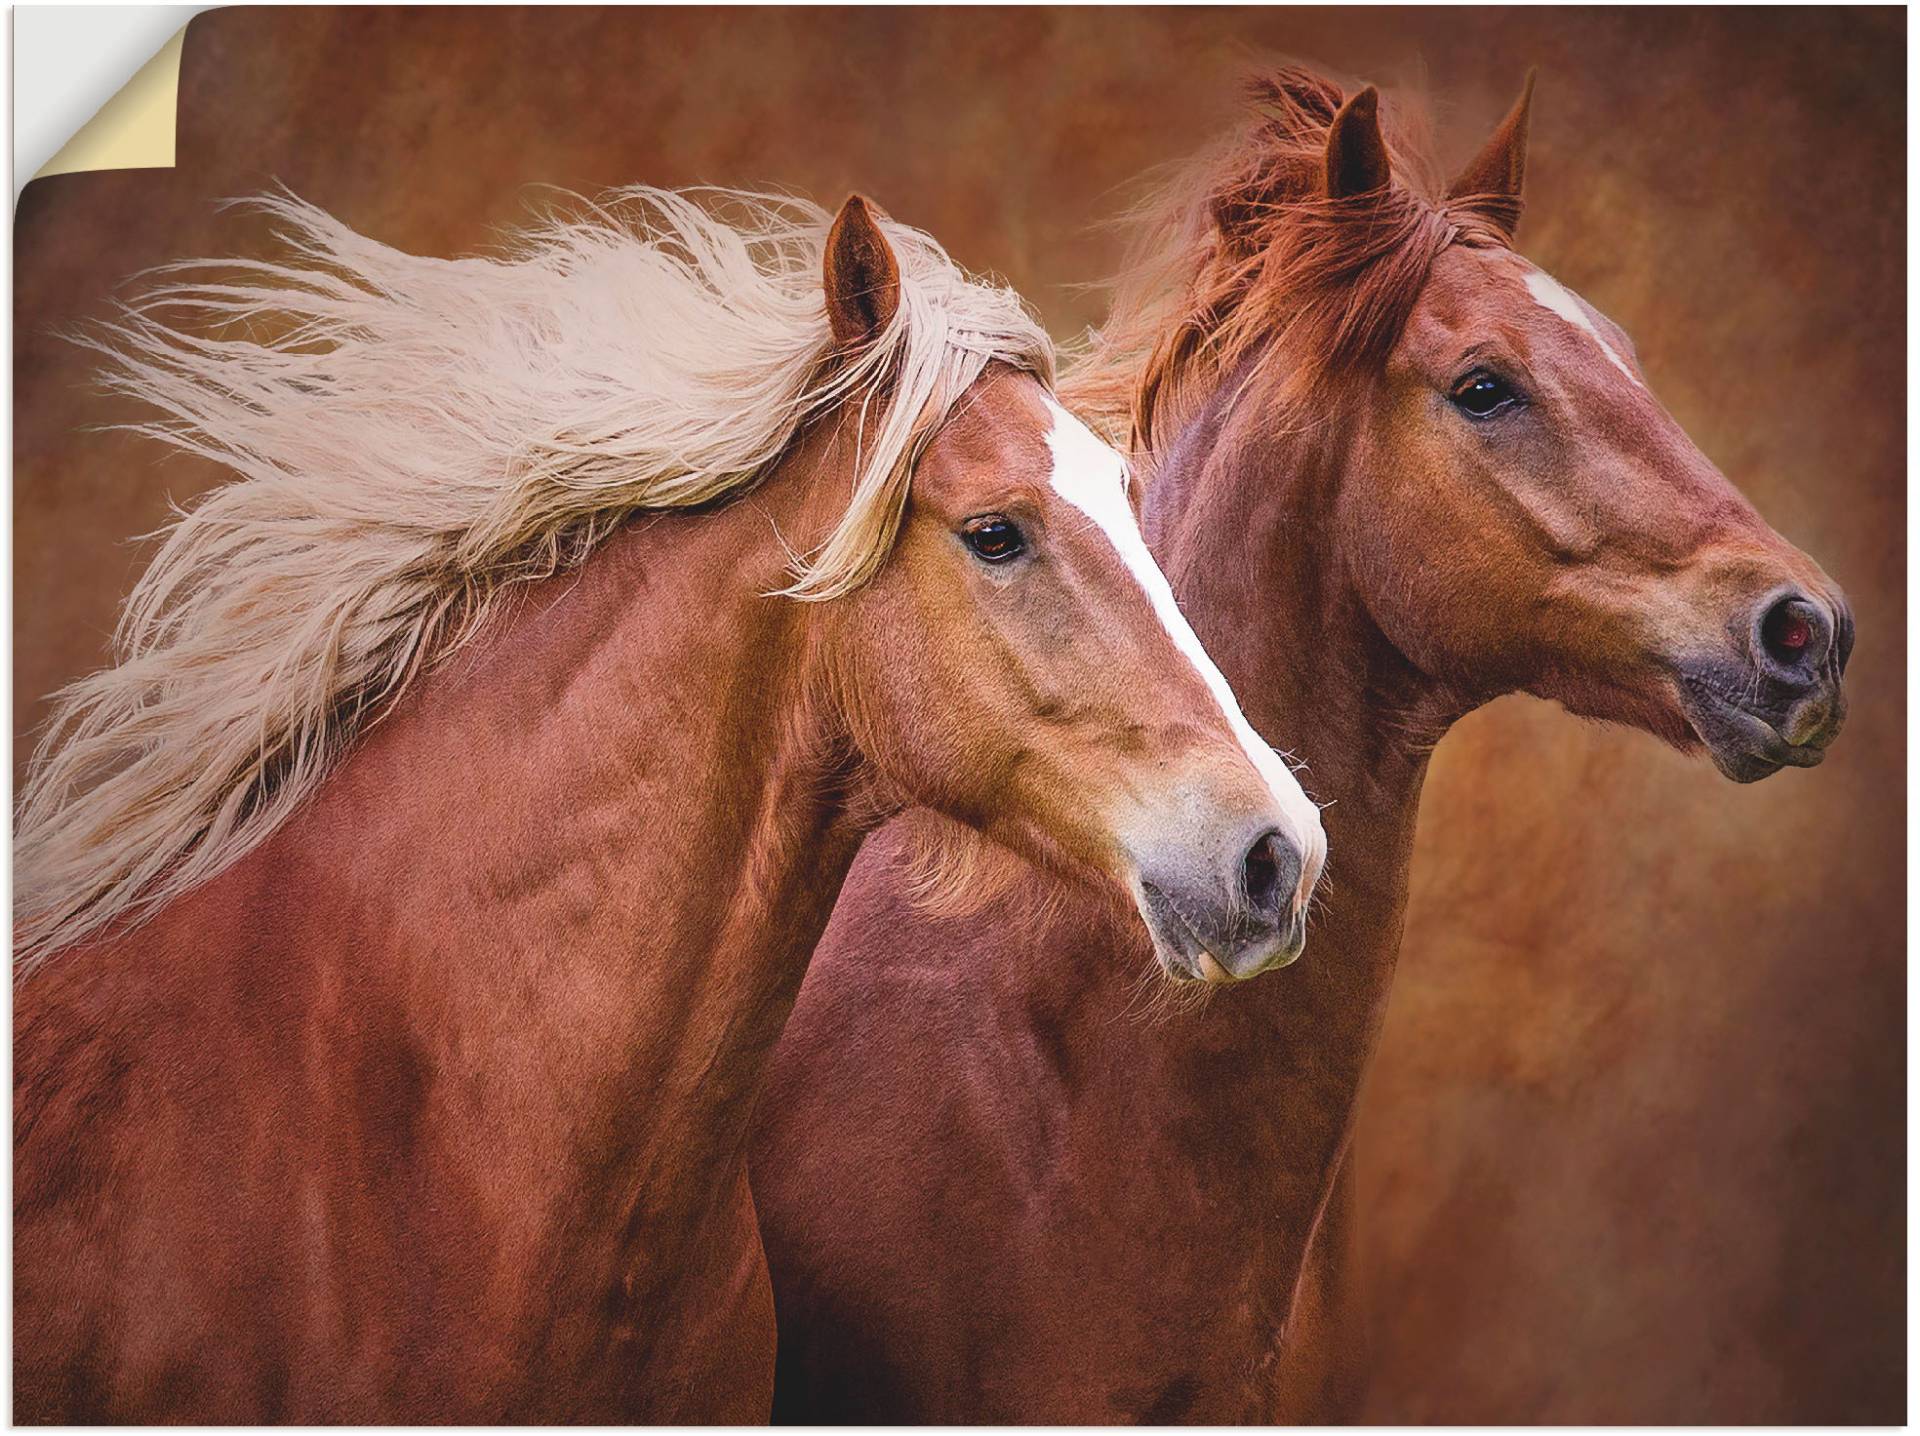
column 1634, row 1145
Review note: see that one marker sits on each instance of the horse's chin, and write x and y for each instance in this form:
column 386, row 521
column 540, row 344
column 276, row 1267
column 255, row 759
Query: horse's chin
column 1693, row 716
column 1181, row 955
column 1653, row 707
column 1212, row 971
column 1185, row 958
column 1176, row 947
column 1743, row 745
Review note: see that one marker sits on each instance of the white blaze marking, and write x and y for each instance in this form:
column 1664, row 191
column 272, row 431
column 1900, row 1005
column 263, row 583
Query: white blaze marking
column 1552, row 294
column 1092, row 477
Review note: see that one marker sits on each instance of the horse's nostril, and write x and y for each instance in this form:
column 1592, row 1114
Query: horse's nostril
column 1260, row 873
column 1794, row 632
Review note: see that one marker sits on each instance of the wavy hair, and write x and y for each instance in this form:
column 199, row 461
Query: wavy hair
column 1242, row 255
column 409, row 439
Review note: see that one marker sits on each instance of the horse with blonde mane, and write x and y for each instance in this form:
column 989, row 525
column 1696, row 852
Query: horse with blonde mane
column 1395, row 471
column 406, row 920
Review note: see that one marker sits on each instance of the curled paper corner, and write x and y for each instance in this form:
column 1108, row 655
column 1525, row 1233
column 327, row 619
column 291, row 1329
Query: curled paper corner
column 133, row 130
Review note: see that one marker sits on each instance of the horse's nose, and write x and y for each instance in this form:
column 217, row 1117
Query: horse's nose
column 1799, row 642
column 1269, row 878
column 1792, row 637
column 1227, row 910
column 1265, row 922
column 1762, row 687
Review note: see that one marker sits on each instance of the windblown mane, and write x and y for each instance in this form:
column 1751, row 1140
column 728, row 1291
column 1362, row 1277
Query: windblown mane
column 412, row 437
column 1242, row 253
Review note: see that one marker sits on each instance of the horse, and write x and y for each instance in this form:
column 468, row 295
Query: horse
column 407, row 919
column 1394, row 471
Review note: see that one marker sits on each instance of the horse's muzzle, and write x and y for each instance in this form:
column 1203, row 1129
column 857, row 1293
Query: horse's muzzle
column 1232, row 919
column 1778, row 700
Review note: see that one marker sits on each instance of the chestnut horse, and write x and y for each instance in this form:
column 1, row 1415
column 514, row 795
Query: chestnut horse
column 412, row 1081
column 1396, row 470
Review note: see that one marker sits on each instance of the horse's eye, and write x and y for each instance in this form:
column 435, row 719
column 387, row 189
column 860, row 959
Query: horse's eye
column 1482, row 395
column 994, row 538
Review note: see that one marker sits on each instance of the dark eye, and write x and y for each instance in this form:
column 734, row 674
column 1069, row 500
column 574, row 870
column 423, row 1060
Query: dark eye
column 1482, row 395
column 994, row 538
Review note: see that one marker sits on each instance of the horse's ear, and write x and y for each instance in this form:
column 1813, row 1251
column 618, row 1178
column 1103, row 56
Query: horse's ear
column 1490, row 186
column 1356, row 150
column 862, row 276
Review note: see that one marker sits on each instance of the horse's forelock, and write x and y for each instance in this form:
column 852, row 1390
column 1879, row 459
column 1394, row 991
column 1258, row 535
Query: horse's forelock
column 1243, row 251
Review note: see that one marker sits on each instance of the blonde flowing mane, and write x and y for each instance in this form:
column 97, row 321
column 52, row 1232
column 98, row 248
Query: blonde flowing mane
column 412, row 437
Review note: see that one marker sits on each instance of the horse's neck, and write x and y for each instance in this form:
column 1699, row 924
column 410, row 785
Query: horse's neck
column 1284, row 620
column 575, row 878
column 664, row 828
column 1293, row 636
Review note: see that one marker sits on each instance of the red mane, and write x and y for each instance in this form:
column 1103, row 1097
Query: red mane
column 1244, row 252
